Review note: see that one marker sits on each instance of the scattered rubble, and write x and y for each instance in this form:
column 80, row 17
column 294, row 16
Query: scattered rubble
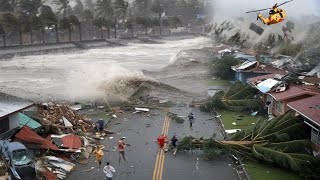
column 62, row 118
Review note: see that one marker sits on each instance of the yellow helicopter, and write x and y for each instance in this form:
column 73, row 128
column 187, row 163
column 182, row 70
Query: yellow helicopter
column 276, row 14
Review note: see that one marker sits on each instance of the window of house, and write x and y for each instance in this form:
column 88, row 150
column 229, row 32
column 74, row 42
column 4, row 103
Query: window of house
column 279, row 107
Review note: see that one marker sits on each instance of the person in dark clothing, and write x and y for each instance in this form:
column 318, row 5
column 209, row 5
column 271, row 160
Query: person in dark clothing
column 174, row 143
column 191, row 119
column 100, row 125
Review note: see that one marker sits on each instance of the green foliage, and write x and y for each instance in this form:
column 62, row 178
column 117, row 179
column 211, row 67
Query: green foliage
column 88, row 15
column 186, row 143
column 9, row 21
column 30, row 6
column 259, row 143
column 36, row 23
column 100, row 22
column 79, row 9
column 213, row 103
column 7, row 6
column 157, row 8
column 165, row 23
column 174, row 117
column 290, row 49
column 271, row 41
column 64, row 23
column 121, row 7
column 104, row 8
column 48, row 18
column 213, row 149
column 175, row 21
column 238, row 98
column 129, row 24
column 74, row 20
column 24, row 22
column 222, row 67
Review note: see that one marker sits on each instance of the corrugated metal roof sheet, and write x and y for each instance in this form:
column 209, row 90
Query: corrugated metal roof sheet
column 71, row 141
column 308, row 107
column 25, row 120
column 291, row 92
column 27, row 135
column 10, row 104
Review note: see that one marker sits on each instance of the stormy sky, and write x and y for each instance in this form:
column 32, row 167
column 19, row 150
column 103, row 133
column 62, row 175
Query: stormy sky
column 295, row 8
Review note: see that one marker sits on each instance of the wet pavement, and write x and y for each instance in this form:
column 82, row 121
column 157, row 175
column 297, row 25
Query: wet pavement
column 188, row 74
column 141, row 131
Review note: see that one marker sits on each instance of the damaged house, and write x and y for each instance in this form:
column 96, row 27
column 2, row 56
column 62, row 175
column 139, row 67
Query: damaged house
column 309, row 109
column 12, row 115
column 250, row 69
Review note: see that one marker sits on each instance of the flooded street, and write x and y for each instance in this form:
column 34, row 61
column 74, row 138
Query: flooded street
column 83, row 75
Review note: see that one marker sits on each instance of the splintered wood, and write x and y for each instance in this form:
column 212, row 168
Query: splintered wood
column 52, row 115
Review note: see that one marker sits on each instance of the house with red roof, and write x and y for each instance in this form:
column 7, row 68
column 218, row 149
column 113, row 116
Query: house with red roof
column 309, row 108
column 278, row 101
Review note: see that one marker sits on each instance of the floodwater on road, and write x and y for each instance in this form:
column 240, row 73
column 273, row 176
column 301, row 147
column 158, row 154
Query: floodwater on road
column 81, row 75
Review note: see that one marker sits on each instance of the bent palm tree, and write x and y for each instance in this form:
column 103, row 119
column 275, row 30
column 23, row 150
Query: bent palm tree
column 281, row 141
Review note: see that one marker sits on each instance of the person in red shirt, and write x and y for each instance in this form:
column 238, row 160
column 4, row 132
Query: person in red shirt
column 161, row 141
column 121, row 146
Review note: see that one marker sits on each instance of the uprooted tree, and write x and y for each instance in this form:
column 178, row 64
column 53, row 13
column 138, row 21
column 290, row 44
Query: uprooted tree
column 281, row 141
column 239, row 97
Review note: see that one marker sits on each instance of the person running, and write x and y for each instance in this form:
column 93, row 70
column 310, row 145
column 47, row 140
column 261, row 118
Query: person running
column 174, row 143
column 161, row 141
column 109, row 170
column 99, row 156
column 121, row 146
column 191, row 119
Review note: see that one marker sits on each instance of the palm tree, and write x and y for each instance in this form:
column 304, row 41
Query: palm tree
column 49, row 19
column 30, row 7
column 100, row 23
column 23, row 24
column 63, row 6
column 64, row 23
column 3, row 34
column 144, row 22
column 121, row 7
column 9, row 23
column 154, row 22
column 75, row 22
column 158, row 8
column 129, row 25
column 36, row 25
column 104, row 9
column 166, row 23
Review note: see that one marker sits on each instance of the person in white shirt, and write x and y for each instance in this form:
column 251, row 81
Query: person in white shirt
column 109, row 170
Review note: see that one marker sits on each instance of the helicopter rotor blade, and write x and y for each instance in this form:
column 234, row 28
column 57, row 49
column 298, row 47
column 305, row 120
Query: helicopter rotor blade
column 284, row 3
column 258, row 10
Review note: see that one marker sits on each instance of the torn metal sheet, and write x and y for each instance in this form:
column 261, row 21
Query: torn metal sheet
column 256, row 28
column 60, row 163
column 266, row 85
column 246, row 64
column 142, row 109
column 66, row 122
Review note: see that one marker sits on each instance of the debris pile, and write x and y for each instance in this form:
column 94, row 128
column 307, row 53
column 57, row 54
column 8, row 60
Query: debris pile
column 62, row 116
column 58, row 166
